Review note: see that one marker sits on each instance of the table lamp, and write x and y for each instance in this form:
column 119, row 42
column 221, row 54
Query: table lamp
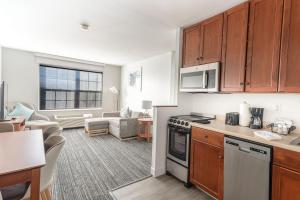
column 146, row 105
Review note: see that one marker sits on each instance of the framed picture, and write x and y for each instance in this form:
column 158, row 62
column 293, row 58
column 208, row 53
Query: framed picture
column 135, row 79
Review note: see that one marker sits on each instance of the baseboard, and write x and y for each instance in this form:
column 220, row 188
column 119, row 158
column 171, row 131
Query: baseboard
column 157, row 172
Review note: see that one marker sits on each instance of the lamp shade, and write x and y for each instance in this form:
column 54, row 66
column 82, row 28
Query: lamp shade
column 146, row 104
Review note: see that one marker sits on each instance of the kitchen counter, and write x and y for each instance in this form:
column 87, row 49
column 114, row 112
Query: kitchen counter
column 248, row 134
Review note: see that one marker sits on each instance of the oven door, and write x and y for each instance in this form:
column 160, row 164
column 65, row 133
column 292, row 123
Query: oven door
column 178, row 145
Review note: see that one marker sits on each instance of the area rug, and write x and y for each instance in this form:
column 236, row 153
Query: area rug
column 89, row 167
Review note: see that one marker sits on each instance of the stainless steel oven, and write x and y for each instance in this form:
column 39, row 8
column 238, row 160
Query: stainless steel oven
column 202, row 78
column 178, row 144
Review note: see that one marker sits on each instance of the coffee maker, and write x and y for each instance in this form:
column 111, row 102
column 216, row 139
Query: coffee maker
column 256, row 118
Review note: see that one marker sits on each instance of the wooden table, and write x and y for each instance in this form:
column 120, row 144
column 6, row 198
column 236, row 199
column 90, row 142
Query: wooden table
column 21, row 158
column 145, row 124
column 18, row 123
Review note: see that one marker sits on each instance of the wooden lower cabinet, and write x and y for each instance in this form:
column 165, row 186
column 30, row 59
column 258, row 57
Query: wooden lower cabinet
column 286, row 175
column 206, row 167
column 286, row 184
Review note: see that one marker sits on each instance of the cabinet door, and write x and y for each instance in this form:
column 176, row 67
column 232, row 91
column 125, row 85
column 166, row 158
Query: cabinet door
column 191, row 46
column 207, row 168
column 234, row 48
column 285, row 183
column 211, row 39
column 264, row 45
column 290, row 48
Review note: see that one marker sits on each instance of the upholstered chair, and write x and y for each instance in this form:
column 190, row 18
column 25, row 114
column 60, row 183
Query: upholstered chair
column 53, row 147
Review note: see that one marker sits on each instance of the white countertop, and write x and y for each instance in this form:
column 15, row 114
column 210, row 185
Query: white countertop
column 248, row 134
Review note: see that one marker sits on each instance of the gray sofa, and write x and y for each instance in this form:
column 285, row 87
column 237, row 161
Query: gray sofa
column 122, row 127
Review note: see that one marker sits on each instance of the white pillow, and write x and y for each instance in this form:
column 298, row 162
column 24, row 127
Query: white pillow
column 125, row 113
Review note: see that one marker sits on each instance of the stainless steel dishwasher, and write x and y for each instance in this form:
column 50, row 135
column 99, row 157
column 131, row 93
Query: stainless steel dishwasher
column 246, row 170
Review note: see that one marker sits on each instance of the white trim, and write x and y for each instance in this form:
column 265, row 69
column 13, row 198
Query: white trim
column 67, row 59
column 157, row 172
column 66, row 110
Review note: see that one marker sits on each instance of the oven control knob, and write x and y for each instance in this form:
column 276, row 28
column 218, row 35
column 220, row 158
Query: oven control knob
column 178, row 122
column 171, row 120
column 182, row 123
column 186, row 123
column 174, row 121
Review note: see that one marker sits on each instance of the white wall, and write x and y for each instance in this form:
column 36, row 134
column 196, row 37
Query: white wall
column 156, row 81
column 0, row 63
column 288, row 104
column 21, row 72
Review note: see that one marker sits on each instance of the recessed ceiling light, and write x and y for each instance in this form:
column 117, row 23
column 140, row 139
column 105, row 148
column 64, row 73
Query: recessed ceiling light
column 84, row 26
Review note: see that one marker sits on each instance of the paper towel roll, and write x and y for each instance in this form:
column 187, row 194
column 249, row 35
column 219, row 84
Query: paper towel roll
column 245, row 115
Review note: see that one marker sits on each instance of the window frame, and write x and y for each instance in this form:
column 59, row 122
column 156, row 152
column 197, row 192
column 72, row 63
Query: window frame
column 77, row 92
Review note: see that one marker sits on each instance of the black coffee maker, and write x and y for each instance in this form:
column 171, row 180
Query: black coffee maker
column 256, row 118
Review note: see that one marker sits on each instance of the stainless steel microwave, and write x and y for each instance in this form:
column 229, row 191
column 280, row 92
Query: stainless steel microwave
column 201, row 78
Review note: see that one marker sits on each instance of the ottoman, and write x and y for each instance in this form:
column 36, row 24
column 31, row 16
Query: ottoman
column 96, row 126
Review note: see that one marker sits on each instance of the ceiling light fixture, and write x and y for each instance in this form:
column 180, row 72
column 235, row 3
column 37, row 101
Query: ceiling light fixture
column 84, row 26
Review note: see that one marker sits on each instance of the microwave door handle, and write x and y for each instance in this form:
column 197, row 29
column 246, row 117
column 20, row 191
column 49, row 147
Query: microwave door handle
column 203, row 80
column 205, row 77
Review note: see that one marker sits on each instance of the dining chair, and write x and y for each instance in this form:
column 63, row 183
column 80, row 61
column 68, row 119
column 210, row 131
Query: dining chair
column 53, row 147
column 51, row 131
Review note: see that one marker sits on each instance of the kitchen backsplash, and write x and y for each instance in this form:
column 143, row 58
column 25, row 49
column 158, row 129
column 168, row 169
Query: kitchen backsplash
column 276, row 105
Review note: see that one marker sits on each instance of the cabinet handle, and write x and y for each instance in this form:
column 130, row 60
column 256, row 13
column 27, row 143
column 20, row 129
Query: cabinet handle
column 220, row 157
column 248, row 83
column 241, row 83
column 205, row 136
column 198, row 58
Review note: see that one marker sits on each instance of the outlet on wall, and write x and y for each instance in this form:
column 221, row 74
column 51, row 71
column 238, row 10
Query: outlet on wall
column 275, row 107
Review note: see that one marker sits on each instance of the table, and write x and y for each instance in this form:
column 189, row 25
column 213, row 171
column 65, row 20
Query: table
column 146, row 124
column 18, row 123
column 21, row 157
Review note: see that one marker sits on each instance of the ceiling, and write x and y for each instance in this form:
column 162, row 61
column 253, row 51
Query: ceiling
column 121, row 31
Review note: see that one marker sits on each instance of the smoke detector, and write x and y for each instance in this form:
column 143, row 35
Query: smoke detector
column 85, row 26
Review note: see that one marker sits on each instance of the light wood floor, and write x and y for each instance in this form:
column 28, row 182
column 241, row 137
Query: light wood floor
column 162, row 188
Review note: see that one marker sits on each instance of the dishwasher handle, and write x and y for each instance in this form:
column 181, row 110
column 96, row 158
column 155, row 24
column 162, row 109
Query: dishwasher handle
column 244, row 149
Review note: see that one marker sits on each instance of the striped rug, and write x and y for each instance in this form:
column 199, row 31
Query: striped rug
column 89, row 167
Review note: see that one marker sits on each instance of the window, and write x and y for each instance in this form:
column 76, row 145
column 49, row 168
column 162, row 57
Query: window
column 69, row 89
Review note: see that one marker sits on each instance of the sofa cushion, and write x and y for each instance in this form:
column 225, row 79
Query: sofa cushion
column 21, row 110
column 96, row 123
column 115, row 121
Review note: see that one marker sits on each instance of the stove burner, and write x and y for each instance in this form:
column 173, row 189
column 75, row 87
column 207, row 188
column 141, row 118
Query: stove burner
column 185, row 120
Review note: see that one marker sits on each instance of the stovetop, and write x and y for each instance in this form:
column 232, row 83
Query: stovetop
column 191, row 118
column 185, row 120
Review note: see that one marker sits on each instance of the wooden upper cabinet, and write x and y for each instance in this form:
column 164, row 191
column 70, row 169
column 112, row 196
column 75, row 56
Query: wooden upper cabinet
column 211, row 39
column 202, row 43
column 191, row 46
column 263, row 45
column 289, row 80
column 235, row 33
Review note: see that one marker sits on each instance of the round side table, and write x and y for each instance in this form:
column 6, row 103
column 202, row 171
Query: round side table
column 145, row 124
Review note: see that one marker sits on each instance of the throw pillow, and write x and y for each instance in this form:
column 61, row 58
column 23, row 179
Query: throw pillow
column 21, row 110
column 125, row 113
